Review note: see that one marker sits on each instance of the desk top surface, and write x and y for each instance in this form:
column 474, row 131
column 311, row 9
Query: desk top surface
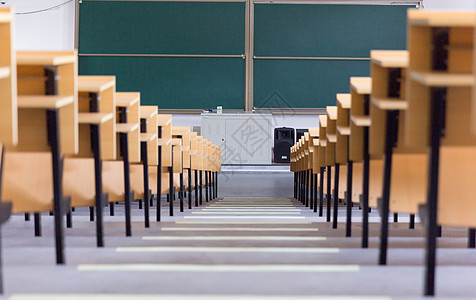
column 126, row 127
column 95, row 83
column 442, row 79
column 147, row 112
column 180, row 130
column 389, row 104
column 361, row 121
column 94, row 118
column 125, row 99
column 164, row 142
column 4, row 72
column 147, row 137
column 343, row 130
column 344, row 100
column 390, row 58
column 361, row 85
column 314, row 132
column 442, row 18
column 44, row 102
column 38, row 58
column 164, row 120
column 332, row 112
column 323, row 120
column 5, row 15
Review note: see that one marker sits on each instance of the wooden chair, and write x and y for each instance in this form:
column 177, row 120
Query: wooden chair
column 440, row 84
column 143, row 181
column 325, row 170
column 331, row 134
column 183, row 133
column 313, row 134
column 358, row 145
column 177, row 169
column 342, row 155
column 164, row 172
column 47, row 129
column 97, row 141
column 8, row 106
column 116, row 174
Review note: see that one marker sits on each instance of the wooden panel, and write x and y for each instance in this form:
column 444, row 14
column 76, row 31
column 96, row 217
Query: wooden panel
column 28, row 191
column 137, row 180
column 149, row 114
column 357, row 183
column 342, row 181
column 377, row 134
column 113, row 180
column 8, row 87
column 177, row 157
column 79, row 181
column 342, row 148
column 456, row 197
column 375, row 181
column 409, row 182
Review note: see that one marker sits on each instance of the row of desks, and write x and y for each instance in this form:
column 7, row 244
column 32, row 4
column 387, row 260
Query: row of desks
column 69, row 141
column 403, row 140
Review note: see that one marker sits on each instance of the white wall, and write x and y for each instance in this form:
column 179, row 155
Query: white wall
column 450, row 4
column 48, row 30
column 293, row 121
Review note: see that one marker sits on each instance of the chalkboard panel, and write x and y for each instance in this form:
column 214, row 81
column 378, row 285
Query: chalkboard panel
column 303, row 83
column 175, row 83
column 328, row 30
column 146, row 27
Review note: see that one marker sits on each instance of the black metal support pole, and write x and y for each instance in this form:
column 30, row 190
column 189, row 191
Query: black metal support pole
column 321, row 192
column 201, row 187
column 54, row 141
column 348, row 224
column 306, row 187
column 37, row 221
column 216, row 184
column 206, row 186
column 311, row 190
column 391, row 136
column 395, row 218
column 438, row 98
column 196, row 188
column 171, row 190
column 315, row 192
column 145, row 168
column 365, row 191
column 189, row 188
column 111, row 209
column 472, row 238
column 159, row 186
column 295, row 185
column 69, row 219
column 412, row 221
column 329, row 193
column 91, row 214
column 181, row 191
column 99, row 202
column 336, row 195
column 210, row 185
column 27, row 217
column 127, row 182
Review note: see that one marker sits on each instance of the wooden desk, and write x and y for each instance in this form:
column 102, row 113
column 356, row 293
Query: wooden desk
column 8, row 105
column 359, row 142
column 342, row 147
column 97, row 95
column 52, row 73
column 183, row 133
column 440, row 85
column 314, row 168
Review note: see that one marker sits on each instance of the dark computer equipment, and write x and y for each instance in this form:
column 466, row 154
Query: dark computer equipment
column 299, row 134
column 283, row 141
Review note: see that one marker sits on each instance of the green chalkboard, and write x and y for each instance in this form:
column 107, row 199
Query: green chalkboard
column 302, row 83
column 175, row 83
column 326, row 31
column 156, row 27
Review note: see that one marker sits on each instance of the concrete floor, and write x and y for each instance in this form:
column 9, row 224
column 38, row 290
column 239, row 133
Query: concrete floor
column 232, row 248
